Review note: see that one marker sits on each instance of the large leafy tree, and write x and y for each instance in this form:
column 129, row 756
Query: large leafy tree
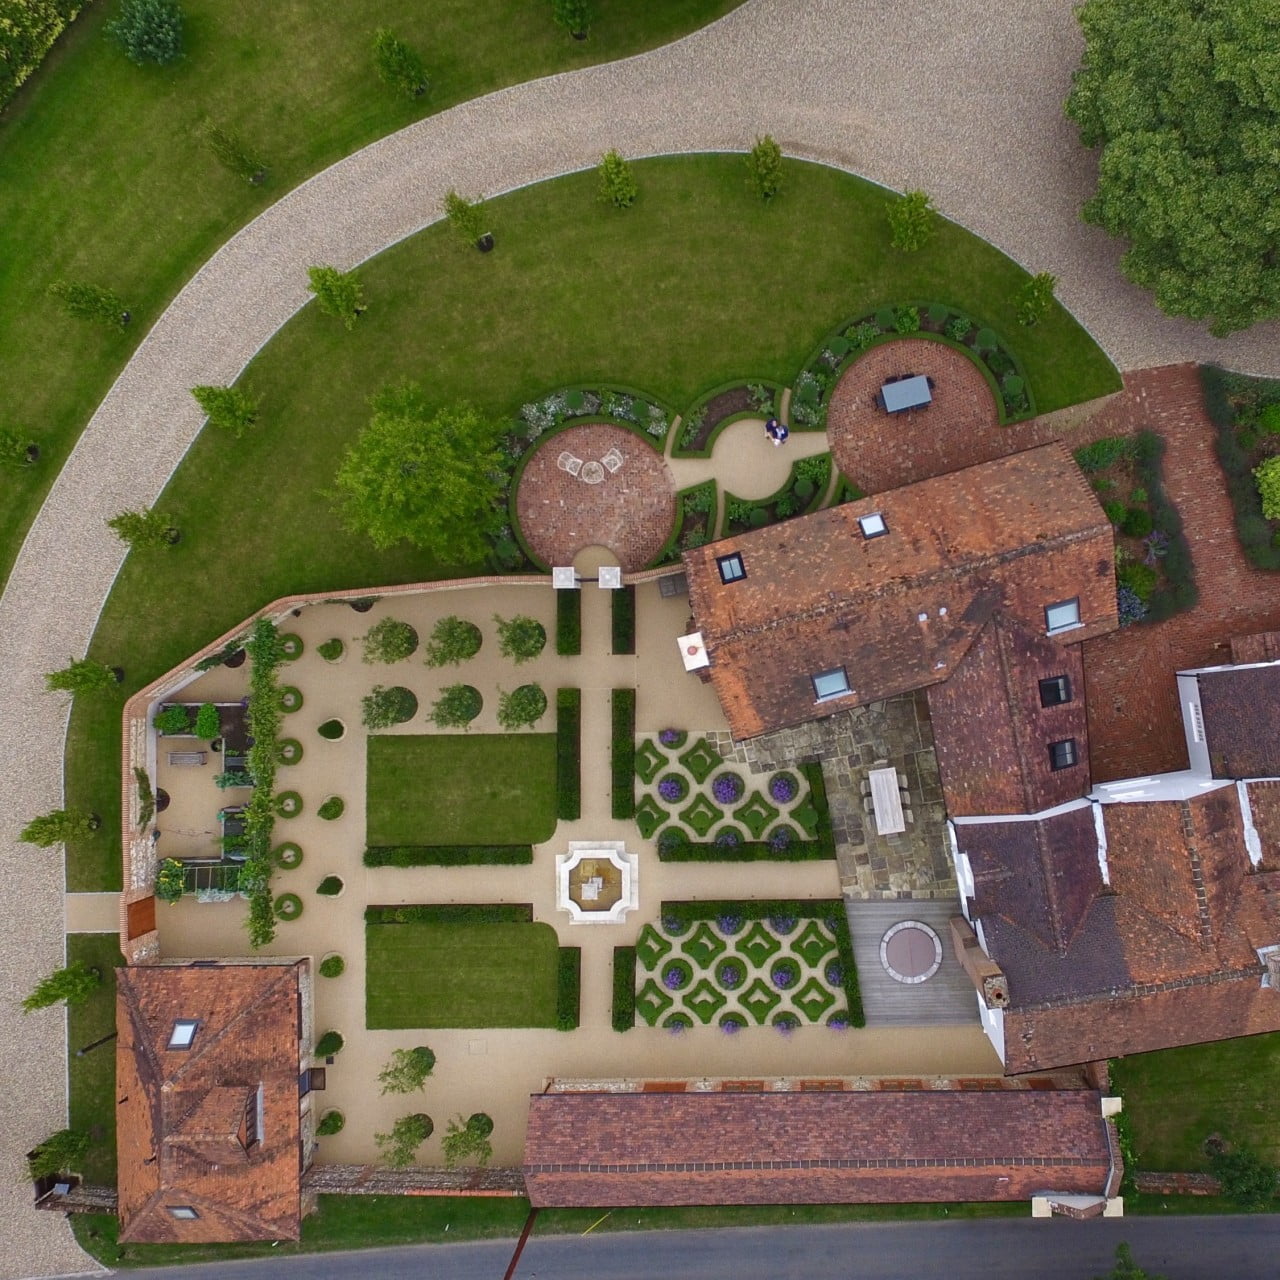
column 434, row 480
column 1183, row 97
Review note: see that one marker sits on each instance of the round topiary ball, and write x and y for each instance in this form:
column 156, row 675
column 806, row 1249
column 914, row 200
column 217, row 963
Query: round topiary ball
column 332, row 966
column 288, row 906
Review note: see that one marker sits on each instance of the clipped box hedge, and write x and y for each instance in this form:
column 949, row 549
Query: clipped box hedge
column 624, row 988
column 569, row 753
column 453, row 913
column 623, row 753
column 449, row 855
column 623, row 619
column 569, row 989
column 568, row 623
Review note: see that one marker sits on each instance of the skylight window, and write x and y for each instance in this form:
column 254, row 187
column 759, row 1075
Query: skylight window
column 830, row 684
column 873, row 526
column 731, row 567
column 183, row 1212
column 1055, row 691
column 183, row 1033
column 1062, row 755
column 1062, row 616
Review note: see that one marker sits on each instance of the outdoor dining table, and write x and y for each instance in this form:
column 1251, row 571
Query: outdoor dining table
column 906, row 393
column 886, row 801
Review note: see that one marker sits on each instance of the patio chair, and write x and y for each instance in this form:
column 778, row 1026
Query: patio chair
column 567, row 462
column 612, row 460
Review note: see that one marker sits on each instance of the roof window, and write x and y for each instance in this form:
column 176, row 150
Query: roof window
column 183, row 1212
column 1062, row 616
column 731, row 567
column 183, row 1033
column 830, row 684
column 873, row 526
column 1055, row 691
column 1062, row 755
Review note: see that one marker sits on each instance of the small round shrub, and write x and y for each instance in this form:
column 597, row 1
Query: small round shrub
column 833, row 972
column 786, row 1022
column 333, row 730
column 457, row 706
column 729, row 838
column 291, row 646
column 148, row 31
column 333, row 966
column 670, row 839
column 522, row 707
column 288, row 906
column 453, row 641
column 332, row 808
column 838, row 1022
column 1136, row 522
column 677, row 1023
column 288, row 804
column 330, row 1123
column 780, row 839
column 385, row 707
column 730, row 974
column 729, row 923
column 785, row 973
column 287, row 855
column 675, row 926
column 290, row 698
column 330, row 886
column 520, row 638
column 332, row 650
column 727, row 788
column 673, row 737
column 329, row 1044
column 672, row 788
column 731, row 1023
column 480, row 1124
column 289, row 751
column 783, row 788
column 676, row 974
column 389, row 641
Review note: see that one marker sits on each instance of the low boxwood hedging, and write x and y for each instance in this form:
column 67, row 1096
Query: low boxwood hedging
column 623, row 753
column 568, row 623
column 829, row 911
column 569, row 752
column 448, row 855
column 1259, row 537
column 624, row 620
column 568, row 988
column 452, row 913
column 624, row 988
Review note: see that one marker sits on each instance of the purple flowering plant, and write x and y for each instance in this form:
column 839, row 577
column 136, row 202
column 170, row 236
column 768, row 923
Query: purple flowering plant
column 672, row 788
column 671, row 737
column 783, row 788
column 780, row 839
column 729, row 923
column 727, row 788
column 728, row 839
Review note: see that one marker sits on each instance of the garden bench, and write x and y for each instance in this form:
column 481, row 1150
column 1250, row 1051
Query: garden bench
column 187, row 757
column 567, row 462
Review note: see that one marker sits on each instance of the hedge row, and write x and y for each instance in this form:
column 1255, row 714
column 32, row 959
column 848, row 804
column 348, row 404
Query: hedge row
column 453, row 913
column 569, row 752
column 568, row 623
column 27, row 32
column 747, row 851
column 624, row 620
column 1252, row 527
column 624, row 988
column 448, row 855
column 830, row 912
column 623, row 754
column 568, row 988
column 1180, row 592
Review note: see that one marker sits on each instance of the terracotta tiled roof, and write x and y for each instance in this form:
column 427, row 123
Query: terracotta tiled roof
column 992, row 735
column 1262, row 646
column 605, row 1149
column 1005, row 537
column 186, row 1118
column 1241, row 709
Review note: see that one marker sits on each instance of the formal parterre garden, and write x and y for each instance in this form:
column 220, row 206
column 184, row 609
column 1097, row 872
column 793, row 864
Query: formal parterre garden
column 739, row 964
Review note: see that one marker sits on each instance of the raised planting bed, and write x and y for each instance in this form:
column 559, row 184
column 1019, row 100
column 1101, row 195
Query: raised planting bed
column 1154, row 574
column 476, row 789
column 716, row 409
column 288, row 906
column 1246, row 416
column 468, row 973
column 939, row 322
column 291, row 646
column 695, row 517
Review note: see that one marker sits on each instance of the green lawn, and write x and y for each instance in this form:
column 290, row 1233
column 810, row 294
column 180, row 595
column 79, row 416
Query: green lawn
column 460, row 975
column 93, row 1077
column 485, row 788
column 103, row 177
column 1176, row 1098
column 666, row 296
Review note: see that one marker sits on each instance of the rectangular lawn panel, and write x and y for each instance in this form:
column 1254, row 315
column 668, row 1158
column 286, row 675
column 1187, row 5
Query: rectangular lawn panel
column 460, row 975
column 484, row 788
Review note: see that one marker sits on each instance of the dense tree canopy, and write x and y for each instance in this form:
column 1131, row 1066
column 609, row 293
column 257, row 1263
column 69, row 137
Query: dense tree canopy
column 1183, row 96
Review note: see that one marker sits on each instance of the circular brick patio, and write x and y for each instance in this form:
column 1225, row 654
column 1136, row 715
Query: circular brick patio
column 628, row 510
column 880, row 451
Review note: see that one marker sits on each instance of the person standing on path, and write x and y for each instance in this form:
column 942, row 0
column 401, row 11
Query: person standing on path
column 776, row 431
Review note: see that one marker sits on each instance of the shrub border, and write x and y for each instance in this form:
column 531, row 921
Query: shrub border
column 568, row 988
column 622, row 621
column 622, row 756
column 778, row 388
column 569, row 623
column 448, row 855
column 624, row 988
column 452, row 913
column 568, row 755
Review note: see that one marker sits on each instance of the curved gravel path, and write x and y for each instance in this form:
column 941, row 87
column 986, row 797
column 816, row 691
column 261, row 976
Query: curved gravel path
column 939, row 95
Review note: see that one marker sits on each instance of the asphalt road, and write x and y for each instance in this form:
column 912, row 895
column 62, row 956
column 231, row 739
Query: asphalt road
column 1213, row 1248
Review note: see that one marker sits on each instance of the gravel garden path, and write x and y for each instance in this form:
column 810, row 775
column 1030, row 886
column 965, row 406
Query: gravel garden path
column 937, row 96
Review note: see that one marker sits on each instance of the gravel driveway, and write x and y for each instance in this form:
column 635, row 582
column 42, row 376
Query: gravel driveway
column 947, row 95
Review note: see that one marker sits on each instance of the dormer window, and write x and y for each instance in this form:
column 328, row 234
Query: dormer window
column 183, row 1033
column 1055, row 691
column 830, row 684
column 183, row 1212
column 731, row 567
column 1062, row 755
column 873, row 526
column 1062, row 616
